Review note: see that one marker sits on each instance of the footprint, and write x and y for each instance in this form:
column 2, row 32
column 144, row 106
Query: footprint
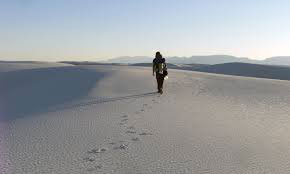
column 131, row 127
column 135, row 139
column 122, row 123
column 112, row 143
column 125, row 116
column 96, row 151
column 97, row 167
column 130, row 132
column 123, row 120
column 144, row 134
column 89, row 159
column 121, row 147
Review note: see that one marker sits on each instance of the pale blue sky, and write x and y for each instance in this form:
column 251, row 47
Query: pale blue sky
column 54, row 30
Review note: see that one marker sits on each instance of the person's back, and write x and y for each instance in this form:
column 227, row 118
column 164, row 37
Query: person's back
column 159, row 67
column 159, row 64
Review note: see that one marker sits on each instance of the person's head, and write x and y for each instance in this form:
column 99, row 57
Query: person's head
column 158, row 55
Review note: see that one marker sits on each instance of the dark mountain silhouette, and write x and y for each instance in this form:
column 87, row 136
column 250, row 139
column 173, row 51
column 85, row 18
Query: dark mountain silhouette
column 236, row 68
column 190, row 67
column 249, row 70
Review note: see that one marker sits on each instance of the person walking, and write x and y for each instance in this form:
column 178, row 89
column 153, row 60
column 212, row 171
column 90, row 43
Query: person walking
column 160, row 69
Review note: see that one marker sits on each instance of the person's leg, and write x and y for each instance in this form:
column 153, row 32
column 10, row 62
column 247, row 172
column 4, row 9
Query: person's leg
column 161, row 82
column 158, row 77
column 157, row 80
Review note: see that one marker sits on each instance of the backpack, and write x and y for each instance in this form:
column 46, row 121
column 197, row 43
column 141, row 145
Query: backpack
column 160, row 66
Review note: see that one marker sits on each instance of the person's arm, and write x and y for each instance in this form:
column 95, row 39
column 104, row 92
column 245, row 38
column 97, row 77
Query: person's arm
column 165, row 65
column 153, row 69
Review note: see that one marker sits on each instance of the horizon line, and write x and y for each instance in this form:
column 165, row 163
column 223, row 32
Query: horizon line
column 106, row 59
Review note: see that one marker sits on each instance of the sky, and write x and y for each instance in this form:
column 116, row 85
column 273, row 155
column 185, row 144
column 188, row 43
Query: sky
column 53, row 30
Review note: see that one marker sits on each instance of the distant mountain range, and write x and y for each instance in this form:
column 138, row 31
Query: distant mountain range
column 211, row 60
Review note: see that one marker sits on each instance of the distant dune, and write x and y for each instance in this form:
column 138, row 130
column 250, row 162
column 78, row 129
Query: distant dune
column 6, row 66
column 236, row 68
column 249, row 70
column 89, row 63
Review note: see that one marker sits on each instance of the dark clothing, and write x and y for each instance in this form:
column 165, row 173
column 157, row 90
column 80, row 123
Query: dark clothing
column 160, row 80
column 159, row 76
column 160, row 60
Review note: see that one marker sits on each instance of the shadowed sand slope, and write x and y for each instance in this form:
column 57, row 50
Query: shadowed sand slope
column 26, row 92
column 20, row 65
column 203, row 123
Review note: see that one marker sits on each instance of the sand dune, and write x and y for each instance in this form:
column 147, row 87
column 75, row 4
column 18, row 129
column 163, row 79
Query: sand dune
column 28, row 91
column 236, row 68
column 249, row 70
column 108, row 119
column 20, row 65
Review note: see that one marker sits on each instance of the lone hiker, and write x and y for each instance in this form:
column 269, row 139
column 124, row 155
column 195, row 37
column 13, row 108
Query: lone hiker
column 160, row 68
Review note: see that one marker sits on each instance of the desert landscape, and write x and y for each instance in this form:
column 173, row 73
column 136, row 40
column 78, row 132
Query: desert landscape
column 144, row 87
column 63, row 118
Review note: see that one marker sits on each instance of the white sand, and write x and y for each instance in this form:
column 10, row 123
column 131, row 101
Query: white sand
column 14, row 66
column 203, row 124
